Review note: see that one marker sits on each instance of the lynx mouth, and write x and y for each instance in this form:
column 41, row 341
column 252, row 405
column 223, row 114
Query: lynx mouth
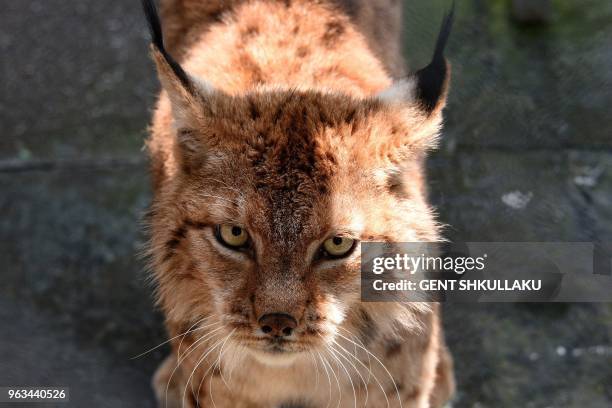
column 275, row 352
column 275, row 355
column 277, row 346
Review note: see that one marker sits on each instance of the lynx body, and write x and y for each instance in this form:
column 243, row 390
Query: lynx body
column 278, row 144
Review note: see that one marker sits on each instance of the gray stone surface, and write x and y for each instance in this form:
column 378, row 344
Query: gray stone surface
column 74, row 304
column 526, row 156
column 76, row 78
column 544, row 86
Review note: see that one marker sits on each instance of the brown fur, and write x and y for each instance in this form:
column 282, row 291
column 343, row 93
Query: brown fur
column 289, row 139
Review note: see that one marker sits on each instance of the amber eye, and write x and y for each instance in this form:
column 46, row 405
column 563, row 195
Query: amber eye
column 337, row 247
column 232, row 235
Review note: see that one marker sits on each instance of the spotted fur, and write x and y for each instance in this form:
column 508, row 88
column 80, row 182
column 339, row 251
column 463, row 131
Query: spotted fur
column 283, row 117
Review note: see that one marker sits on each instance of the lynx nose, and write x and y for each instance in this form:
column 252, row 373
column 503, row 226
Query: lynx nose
column 277, row 324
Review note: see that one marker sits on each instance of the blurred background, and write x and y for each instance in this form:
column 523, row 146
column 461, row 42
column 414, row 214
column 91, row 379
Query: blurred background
column 526, row 156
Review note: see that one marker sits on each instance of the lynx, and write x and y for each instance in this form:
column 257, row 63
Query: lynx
column 280, row 143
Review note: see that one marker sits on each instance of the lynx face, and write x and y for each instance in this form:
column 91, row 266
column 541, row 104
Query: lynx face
column 274, row 195
column 257, row 231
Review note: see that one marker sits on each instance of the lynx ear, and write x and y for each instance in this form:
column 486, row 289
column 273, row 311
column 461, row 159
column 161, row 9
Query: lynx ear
column 187, row 94
column 190, row 98
column 427, row 88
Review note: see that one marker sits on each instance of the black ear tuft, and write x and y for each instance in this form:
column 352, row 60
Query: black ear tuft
column 431, row 79
column 157, row 39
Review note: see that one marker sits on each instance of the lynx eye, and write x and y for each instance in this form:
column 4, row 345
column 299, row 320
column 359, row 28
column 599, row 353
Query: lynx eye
column 337, row 247
column 232, row 236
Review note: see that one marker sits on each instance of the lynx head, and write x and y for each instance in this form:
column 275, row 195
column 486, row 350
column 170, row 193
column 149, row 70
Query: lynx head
column 259, row 228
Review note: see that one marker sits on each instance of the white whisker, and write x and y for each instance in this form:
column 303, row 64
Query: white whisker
column 314, row 360
column 206, row 326
column 216, row 363
column 399, row 398
column 200, row 361
column 182, row 357
column 348, row 375
column 382, row 388
column 341, row 354
column 168, row 341
column 328, row 379
column 337, row 382
column 355, row 345
column 219, row 359
column 189, row 350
